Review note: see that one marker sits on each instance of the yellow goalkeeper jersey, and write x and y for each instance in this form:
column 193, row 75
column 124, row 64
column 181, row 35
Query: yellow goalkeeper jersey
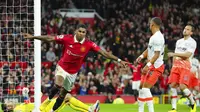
column 29, row 107
column 24, row 107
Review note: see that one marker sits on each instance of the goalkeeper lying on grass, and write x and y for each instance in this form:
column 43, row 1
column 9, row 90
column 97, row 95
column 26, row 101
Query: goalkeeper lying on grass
column 30, row 106
column 72, row 105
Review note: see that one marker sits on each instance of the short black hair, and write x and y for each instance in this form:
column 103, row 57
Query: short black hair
column 192, row 27
column 81, row 26
column 157, row 21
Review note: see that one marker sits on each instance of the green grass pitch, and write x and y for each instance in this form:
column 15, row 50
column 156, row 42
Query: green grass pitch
column 134, row 108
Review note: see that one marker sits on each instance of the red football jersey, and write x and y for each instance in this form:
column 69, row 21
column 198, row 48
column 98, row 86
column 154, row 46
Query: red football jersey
column 136, row 72
column 74, row 52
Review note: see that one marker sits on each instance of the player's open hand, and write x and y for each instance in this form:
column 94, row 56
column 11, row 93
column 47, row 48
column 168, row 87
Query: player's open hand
column 138, row 60
column 124, row 63
column 145, row 70
column 27, row 35
column 170, row 54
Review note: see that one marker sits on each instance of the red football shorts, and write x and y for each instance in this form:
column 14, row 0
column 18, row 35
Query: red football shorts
column 180, row 72
column 199, row 84
column 152, row 76
column 193, row 81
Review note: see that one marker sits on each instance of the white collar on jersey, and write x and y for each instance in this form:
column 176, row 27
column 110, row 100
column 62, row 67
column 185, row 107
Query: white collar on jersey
column 76, row 41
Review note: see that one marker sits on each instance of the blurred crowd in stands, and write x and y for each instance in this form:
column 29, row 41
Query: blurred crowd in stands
column 17, row 56
column 125, row 33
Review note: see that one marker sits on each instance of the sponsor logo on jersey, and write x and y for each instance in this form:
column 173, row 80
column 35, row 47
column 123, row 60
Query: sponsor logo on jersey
column 182, row 48
column 73, row 54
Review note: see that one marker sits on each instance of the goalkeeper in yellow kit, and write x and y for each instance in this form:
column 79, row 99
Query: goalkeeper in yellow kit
column 28, row 107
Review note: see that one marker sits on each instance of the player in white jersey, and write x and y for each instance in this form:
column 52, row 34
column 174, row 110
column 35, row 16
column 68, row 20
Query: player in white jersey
column 180, row 73
column 194, row 84
column 154, row 68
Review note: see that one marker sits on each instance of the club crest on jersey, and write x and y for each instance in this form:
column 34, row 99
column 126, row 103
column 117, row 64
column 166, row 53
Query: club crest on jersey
column 83, row 49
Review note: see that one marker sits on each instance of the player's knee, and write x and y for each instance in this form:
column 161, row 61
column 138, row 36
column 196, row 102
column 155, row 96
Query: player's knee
column 196, row 88
column 173, row 85
column 68, row 97
column 183, row 86
column 59, row 80
column 147, row 85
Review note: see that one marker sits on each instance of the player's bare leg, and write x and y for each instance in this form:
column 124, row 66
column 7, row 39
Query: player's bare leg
column 174, row 96
column 53, row 91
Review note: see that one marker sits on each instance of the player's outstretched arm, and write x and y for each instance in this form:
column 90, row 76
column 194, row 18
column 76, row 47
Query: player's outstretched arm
column 47, row 38
column 111, row 56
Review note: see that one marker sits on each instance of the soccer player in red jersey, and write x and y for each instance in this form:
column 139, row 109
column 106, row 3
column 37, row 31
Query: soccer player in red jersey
column 75, row 49
column 136, row 77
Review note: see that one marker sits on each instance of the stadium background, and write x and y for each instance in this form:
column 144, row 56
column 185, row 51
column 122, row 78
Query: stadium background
column 124, row 32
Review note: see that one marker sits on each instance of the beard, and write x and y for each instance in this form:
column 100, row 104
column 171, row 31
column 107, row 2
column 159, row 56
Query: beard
column 79, row 38
column 185, row 34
